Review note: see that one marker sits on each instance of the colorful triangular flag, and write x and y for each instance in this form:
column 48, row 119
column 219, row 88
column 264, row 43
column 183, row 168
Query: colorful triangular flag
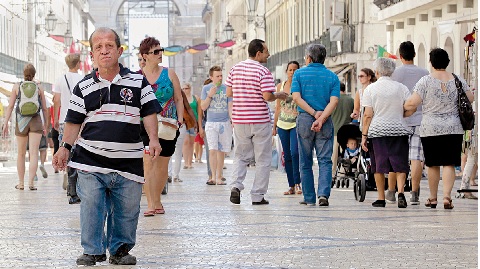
column 382, row 52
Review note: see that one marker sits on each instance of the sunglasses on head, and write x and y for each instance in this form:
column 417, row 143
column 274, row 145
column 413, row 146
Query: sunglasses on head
column 156, row 52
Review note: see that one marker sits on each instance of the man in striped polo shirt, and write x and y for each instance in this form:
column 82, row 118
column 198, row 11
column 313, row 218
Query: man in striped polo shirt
column 109, row 103
column 316, row 90
column 251, row 85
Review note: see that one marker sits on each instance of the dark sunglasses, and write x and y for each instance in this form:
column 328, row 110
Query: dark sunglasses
column 156, row 52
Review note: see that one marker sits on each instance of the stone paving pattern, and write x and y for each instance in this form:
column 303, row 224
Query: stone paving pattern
column 202, row 229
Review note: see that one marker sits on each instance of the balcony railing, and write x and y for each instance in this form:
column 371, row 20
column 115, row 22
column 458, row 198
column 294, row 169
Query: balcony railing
column 385, row 3
column 11, row 65
column 297, row 53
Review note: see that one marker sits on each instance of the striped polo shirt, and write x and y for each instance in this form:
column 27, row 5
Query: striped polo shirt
column 110, row 111
column 249, row 80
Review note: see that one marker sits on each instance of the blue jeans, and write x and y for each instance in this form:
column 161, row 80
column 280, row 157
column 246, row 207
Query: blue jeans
column 322, row 142
column 290, row 153
column 111, row 198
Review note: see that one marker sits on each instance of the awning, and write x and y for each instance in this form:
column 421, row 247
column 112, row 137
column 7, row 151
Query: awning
column 337, row 68
column 344, row 70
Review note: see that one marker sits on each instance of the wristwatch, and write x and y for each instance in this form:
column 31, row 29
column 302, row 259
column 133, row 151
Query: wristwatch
column 66, row 145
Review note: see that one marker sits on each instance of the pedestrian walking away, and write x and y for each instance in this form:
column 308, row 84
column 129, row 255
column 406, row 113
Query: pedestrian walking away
column 441, row 131
column 409, row 74
column 316, row 91
column 29, row 98
column 385, row 127
column 251, row 85
column 109, row 103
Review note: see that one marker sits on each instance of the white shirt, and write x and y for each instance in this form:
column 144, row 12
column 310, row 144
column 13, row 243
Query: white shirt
column 65, row 93
column 386, row 97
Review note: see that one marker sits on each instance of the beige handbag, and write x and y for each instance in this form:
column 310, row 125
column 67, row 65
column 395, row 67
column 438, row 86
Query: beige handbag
column 167, row 128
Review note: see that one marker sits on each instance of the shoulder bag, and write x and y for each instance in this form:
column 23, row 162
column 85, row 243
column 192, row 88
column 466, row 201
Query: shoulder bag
column 465, row 110
column 188, row 116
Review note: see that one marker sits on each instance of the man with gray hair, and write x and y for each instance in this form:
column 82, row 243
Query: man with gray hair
column 316, row 90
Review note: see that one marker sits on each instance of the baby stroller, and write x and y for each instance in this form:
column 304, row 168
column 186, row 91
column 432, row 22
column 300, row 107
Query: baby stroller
column 359, row 171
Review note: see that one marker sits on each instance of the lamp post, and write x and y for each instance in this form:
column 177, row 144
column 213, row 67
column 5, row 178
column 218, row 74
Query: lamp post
column 206, row 61
column 200, row 69
column 50, row 21
column 68, row 38
column 194, row 77
column 228, row 30
column 84, row 54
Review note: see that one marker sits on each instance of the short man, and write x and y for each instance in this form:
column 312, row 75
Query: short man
column 340, row 117
column 409, row 74
column 251, row 85
column 218, row 128
column 316, row 90
column 108, row 156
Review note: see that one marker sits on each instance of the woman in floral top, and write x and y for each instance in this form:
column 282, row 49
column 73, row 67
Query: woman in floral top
column 440, row 131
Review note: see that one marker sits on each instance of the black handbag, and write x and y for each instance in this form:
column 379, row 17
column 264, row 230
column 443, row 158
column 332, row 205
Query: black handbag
column 465, row 109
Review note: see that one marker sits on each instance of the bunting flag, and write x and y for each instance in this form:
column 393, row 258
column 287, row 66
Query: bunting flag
column 226, row 44
column 200, row 47
column 192, row 51
column 174, row 48
column 384, row 53
column 170, row 53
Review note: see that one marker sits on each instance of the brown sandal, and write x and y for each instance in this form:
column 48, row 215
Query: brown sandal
column 290, row 191
column 431, row 202
column 447, row 203
column 298, row 189
column 19, row 187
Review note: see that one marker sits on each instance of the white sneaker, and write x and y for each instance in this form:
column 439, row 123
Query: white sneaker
column 390, row 197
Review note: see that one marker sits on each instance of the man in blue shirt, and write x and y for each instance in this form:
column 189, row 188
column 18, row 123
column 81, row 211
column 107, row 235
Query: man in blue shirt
column 316, row 90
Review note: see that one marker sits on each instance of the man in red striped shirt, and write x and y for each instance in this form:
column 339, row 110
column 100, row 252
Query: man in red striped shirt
column 251, row 85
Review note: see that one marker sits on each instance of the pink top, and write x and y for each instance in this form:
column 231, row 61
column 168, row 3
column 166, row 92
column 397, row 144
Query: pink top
column 249, row 79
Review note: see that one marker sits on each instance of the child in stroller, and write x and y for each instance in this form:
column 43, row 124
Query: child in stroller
column 348, row 137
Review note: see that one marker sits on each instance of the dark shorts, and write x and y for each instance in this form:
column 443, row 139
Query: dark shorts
column 34, row 125
column 168, row 146
column 389, row 154
column 442, row 150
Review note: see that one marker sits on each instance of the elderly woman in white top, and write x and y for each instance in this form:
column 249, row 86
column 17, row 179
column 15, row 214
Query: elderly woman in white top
column 386, row 129
column 441, row 132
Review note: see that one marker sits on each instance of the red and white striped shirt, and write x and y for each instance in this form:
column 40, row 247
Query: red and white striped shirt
column 249, row 79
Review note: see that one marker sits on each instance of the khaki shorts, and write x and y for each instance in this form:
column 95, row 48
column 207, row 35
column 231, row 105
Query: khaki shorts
column 34, row 126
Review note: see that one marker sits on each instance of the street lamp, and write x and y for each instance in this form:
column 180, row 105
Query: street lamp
column 200, row 69
column 68, row 38
column 228, row 30
column 50, row 21
column 206, row 61
column 194, row 77
column 84, row 54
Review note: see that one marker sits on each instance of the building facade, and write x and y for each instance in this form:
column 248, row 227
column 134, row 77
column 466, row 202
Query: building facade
column 430, row 24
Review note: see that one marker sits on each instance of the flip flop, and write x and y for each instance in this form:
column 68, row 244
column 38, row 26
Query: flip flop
column 221, row 183
column 18, row 187
column 210, row 182
column 159, row 211
column 149, row 213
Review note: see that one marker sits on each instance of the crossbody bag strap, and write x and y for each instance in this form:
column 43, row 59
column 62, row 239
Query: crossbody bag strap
column 68, row 84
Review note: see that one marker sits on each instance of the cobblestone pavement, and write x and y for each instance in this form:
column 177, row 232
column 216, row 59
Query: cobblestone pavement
column 202, row 229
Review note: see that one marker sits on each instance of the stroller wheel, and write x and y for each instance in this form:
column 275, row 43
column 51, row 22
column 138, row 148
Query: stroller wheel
column 338, row 184
column 347, row 183
column 165, row 189
column 343, row 183
column 360, row 188
column 355, row 182
column 333, row 182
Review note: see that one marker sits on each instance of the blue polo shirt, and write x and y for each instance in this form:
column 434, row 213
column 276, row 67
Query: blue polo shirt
column 316, row 84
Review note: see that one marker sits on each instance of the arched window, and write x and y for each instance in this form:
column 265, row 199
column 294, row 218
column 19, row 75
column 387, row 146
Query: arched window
column 449, row 49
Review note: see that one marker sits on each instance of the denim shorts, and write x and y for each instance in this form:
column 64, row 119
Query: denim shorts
column 191, row 132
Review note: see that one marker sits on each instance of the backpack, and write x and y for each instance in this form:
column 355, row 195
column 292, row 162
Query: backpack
column 28, row 98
